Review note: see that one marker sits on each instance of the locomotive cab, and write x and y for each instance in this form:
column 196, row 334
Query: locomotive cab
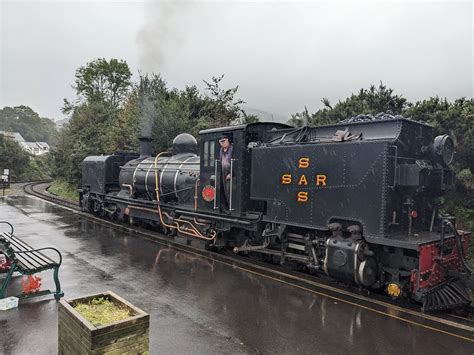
column 211, row 195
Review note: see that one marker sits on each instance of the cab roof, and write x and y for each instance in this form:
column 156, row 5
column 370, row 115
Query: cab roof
column 242, row 127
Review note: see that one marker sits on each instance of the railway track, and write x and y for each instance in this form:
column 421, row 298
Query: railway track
column 460, row 326
column 38, row 189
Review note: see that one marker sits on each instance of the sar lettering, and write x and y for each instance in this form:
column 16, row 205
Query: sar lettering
column 302, row 196
column 320, row 180
column 303, row 180
column 286, row 179
column 303, row 163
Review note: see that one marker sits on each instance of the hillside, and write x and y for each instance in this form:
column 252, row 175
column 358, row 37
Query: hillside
column 28, row 123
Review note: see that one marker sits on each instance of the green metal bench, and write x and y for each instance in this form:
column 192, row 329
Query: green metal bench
column 26, row 260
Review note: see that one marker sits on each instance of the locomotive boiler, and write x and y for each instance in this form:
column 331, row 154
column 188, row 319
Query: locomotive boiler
column 177, row 174
column 358, row 201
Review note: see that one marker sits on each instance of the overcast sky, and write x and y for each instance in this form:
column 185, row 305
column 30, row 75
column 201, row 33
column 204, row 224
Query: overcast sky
column 283, row 55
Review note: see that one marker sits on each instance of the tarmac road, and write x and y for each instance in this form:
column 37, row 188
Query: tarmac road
column 196, row 306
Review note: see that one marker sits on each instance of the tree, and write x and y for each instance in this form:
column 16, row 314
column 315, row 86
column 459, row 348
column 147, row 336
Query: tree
column 222, row 103
column 85, row 134
column 454, row 118
column 248, row 119
column 28, row 123
column 301, row 119
column 153, row 108
column 102, row 81
column 13, row 157
column 102, row 87
column 366, row 101
column 100, row 124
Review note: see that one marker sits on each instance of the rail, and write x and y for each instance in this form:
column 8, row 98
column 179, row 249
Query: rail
column 34, row 189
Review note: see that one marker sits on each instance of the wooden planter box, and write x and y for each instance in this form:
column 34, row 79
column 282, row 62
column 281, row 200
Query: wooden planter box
column 78, row 336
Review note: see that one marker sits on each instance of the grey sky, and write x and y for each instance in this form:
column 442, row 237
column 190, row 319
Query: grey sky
column 283, row 55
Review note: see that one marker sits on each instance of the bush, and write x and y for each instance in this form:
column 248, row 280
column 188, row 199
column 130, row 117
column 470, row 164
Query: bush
column 465, row 181
column 64, row 189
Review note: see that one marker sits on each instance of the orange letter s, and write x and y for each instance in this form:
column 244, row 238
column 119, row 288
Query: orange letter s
column 286, row 179
column 303, row 163
column 302, row 196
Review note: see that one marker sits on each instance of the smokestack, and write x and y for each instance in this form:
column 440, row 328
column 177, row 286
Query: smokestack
column 149, row 111
column 145, row 146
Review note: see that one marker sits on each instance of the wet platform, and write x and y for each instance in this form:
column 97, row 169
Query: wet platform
column 196, row 306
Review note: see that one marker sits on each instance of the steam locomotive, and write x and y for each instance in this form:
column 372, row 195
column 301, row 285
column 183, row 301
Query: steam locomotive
column 357, row 201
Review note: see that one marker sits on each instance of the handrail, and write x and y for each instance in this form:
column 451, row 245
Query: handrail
column 458, row 245
column 231, row 178
column 8, row 224
column 217, row 189
column 196, row 203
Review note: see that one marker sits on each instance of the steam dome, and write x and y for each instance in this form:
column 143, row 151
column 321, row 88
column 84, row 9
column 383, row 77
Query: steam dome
column 184, row 143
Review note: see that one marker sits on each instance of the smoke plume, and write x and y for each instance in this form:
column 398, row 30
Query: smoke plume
column 163, row 33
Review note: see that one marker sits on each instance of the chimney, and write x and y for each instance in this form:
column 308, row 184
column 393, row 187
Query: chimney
column 145, row 147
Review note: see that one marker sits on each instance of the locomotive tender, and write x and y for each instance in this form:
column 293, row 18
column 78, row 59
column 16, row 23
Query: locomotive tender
column 356, row 201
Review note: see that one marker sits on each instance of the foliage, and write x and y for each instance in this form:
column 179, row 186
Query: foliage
column 28, row 123
column 224, row 107
column 453, row 118
column 100, row 311
column 39, row 167
column 465, row 179
column 102, row 81
column 248, row 118
column 154, row 109
column 368, row 101
column 13, row 157
column 102, row 88
column 63, row 189
column 111, row 113
column 83, row 135
column 23, row 167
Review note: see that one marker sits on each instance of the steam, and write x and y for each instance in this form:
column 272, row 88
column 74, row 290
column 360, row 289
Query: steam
column 162, row 34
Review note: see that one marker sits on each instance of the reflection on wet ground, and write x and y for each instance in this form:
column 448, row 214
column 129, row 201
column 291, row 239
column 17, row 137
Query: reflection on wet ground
column 196, row 305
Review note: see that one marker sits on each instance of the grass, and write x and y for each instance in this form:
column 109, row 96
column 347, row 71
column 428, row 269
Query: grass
column 100, row 311
column 63, row 189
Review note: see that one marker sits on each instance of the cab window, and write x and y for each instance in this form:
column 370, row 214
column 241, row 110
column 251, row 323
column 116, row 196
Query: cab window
column 205, row 154
column 212, row 153
column 209, row 153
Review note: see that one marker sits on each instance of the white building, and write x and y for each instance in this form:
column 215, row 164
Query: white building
column 35, row 148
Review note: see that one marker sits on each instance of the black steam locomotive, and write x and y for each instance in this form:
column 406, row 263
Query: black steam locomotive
column 356, row 201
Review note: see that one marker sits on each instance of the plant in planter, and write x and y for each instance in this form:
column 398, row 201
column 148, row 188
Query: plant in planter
column 102, row 324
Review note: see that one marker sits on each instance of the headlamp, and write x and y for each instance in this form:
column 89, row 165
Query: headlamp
column 444, row 148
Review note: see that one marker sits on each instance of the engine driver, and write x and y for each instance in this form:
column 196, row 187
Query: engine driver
column 225, row 156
